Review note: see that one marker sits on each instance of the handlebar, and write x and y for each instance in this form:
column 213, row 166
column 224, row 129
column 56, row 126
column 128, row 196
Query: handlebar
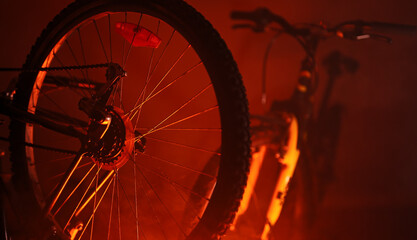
column 309, row 36
column 261, row 17
column 381, row 26
column 354, row 30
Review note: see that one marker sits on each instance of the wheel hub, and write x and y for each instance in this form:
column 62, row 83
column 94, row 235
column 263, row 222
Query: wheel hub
column 111, row 140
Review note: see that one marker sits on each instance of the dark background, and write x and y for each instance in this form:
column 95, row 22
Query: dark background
column 374, row 192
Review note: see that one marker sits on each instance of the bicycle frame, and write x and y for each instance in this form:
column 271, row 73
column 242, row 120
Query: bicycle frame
column 8, row 109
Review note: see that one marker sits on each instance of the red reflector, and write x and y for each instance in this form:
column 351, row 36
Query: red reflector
column 137, row 35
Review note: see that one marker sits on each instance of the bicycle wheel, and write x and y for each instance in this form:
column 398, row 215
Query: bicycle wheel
column 181, row 100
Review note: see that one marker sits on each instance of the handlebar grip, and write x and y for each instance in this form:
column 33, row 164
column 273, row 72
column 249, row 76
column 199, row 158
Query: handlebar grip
column 262, row 17
column 392, row 27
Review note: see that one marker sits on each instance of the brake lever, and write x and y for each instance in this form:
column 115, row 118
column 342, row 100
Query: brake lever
column 352, row 35
column 359, row 29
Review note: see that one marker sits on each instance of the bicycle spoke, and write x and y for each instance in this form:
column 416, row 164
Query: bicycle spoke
column 166, row 74
column 121, row 95
column 62, row 173
column 93, row 194
column 118, row 90
column 130, row 44
column 64, row 115
column 111, row 207
column 69, row 75
column 184, row 200
column 124, row 42
column 142, row 94
column 136, row 200
column 83, row 53
column 64, row 182
column 170, row 69
column 161, row 90
column 183, row 129
column 179, row 165
column 171, row 181
column 101, row 41
column 185, row 146
column 155, row 129
column 74, row 57
column 61, row 118
column 81, row 199
column 53, row 161
column 125, row 195
column 174, row 184
column 160, row 200
column 77, row 63
column 176, row 111
column 163, row 53
column 118, row 205
column 111, row 52
column 95, row 209
column 73, row 191
column 53, row 83
column 176, row 122
column 149, row 74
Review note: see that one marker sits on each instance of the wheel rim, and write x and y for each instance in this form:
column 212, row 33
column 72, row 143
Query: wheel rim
column 179, row 119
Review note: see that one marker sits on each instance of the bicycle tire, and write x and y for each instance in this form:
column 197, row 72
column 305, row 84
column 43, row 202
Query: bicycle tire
column 228, row 91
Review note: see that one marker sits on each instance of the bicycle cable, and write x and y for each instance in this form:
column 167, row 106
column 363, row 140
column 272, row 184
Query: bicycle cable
column 101, row 65
column 264, row 65
column 66, row 151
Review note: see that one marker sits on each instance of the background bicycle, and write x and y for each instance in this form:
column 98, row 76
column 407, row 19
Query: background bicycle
column 318, row 129
column 358, row 158
column 374, row 194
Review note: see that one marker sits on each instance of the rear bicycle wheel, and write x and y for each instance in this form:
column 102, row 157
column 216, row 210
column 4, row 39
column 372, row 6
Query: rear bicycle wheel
column 181, row 101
